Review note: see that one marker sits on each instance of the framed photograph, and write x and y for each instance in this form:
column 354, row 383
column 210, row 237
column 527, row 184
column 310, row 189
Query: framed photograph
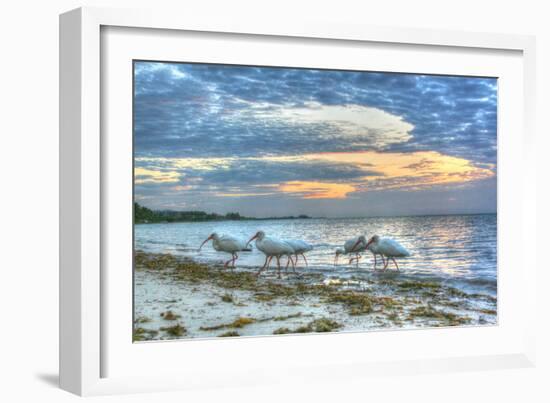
column 238, row 197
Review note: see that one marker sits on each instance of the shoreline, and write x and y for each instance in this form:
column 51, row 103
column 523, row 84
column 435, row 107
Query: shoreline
column 177, row 297
column 317, row 218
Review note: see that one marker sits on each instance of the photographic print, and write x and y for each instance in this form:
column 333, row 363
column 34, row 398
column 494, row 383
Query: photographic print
column 275, row 200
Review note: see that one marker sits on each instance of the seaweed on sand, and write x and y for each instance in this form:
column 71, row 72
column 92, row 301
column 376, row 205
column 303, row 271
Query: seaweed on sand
column 357, row 303
column 485, row 297
column 394, row 317
column 169, row 315
column 237, row 323
column 390, row 303
column 403, row 300
column 227, row 298
column 176, row 330
column 488, row 311
column 141, row 334
column 282, row 330
column 418, row 285
column 321, row 325
column 243, row 321
column 230, row 333
column 285, row 317
column 154, row 261
column 446, row 318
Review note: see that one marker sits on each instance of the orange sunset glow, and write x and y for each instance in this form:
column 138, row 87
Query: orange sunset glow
column 383, row 170
column 316, row 190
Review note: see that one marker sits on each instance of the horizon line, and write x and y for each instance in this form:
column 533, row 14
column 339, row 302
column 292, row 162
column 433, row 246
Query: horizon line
column 309, row 217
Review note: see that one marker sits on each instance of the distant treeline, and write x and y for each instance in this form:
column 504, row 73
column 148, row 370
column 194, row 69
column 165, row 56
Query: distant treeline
column 145, row 215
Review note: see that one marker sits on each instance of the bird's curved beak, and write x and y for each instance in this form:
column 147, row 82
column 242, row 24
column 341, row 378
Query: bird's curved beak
column 206, row 240
column 356, row 243
column 369, row 242
column 251, row 239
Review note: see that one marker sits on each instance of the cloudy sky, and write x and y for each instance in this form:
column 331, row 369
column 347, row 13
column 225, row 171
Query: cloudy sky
column 279, row 141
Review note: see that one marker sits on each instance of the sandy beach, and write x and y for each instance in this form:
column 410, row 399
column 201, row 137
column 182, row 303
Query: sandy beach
column 177, row 297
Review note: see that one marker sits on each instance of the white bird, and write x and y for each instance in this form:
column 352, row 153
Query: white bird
column 374, row 248
column 352, row 246
column 389, row 248
column 227, row 244
column 272, row 247
column 300, row 247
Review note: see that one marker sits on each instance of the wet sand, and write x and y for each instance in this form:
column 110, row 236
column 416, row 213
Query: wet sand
column 180, row 298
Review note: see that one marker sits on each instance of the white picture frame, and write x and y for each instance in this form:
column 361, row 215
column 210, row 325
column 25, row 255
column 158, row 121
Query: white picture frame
column 83, row 307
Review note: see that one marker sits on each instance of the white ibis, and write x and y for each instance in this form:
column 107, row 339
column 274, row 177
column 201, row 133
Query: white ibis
column 272, row 247
column 389, row 248
column 374, row 248
column 300, row 247
column 227, row 244
column 352, row 246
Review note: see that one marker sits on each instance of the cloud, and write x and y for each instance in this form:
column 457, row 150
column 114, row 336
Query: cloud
column 218, row 175
column 143, row 175
column 230, row 136
column 321, row 175
column 200, row 110
column 355, row 124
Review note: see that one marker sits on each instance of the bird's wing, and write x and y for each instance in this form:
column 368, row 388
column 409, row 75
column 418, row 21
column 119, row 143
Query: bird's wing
column 232, row 244
column 394, row 248
column 295, row 244
column 276, row 246
column 299, row 246
column 306, row 246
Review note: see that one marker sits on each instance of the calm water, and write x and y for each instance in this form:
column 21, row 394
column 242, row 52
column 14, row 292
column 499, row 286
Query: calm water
column 457, row 250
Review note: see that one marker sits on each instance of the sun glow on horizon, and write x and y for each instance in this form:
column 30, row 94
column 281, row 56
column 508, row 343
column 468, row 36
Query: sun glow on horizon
column 383, row 171
column 316, row 190
column 409, row 170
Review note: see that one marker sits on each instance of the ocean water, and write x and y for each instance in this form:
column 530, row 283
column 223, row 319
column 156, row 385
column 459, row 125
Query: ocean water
column 457, row 250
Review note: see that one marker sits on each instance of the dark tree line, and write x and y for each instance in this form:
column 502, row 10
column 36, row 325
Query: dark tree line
column 145, row 215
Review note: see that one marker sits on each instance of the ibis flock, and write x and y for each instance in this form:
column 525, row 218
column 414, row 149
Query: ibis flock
column 292, row 249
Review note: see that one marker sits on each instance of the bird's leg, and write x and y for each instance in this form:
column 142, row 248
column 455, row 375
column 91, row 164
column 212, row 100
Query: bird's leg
column 293, row 264
column 288, row 260
column 226, row 263
column 235, row 259
column 374, row 254
column 269, row 262
column 263, row 267
column 278, row 267
column 396, row 266
column 386, row 264
column 305, row 260
column 356, row 258
column 383, row 260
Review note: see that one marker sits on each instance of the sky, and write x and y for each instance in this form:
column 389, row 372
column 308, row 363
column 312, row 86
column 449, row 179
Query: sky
column 270, row 141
